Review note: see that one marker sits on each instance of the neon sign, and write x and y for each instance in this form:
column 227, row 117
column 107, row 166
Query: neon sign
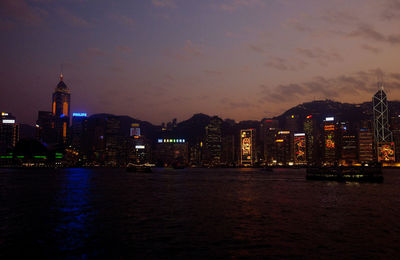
column 79, row 114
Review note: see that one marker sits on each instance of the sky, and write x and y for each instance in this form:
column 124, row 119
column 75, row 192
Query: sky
column 156, row 60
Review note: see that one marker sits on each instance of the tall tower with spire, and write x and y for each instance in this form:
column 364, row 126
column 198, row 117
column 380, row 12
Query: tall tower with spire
column 383, row 136
column 61, row 110
column 381, row 116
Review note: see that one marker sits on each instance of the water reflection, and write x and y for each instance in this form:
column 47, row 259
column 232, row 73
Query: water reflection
column 73, row 210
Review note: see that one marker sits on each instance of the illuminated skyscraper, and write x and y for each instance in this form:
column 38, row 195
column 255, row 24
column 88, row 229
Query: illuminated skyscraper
column 61, row 110
column 284, row 148
column 300, row 149
column 214, row 141
column 330, row 141
column 311, row 130
column 9, row 132
column 365, row 145
column 381, row 117
column 247, row 144
column 79, row 130
column 383, row 136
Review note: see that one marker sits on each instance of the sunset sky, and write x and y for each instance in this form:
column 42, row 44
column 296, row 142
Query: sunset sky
column 156, row 60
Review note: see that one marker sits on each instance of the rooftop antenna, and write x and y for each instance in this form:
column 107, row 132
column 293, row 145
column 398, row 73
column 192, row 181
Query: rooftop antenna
column 61, row 73
column 379, row 75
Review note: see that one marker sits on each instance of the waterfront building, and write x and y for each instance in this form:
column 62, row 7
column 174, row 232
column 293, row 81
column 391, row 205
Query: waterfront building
column 365, row 145
column 284, row 148
column 61, row 111
column 269, row 128
column 9, row 133
column 300, row 148
column 311, row 130
column 330, row 141
column 382, row 134
column 171, row 152
column 348, row 144
column 248, row 147
column 214, row 141
column 79, row 133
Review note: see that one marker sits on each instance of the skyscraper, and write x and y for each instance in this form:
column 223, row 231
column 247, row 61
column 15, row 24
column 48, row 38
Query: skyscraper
column 247, row 144
column 330, row 141
column 381, row 117
column 214, row 141
column 79, row 130
column 9, row 132
column 61, row 110
column 383, row 136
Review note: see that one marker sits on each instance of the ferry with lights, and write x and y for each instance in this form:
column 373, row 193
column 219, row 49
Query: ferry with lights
column 363, row 173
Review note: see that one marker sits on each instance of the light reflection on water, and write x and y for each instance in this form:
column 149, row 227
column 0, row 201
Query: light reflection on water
column 195, row 213
column 75, row 213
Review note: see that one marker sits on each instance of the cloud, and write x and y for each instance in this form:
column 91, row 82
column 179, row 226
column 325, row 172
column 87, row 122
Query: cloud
column 369, row 32
column 189, row 51
column 282, row 64
column 227, row 103
column 213, row 72
column 391, row 10
column 72, row 19
column 123, row 20
column 233, row 5
column 339, row 17
column 163, row 3
column 297, row 25
column 123, row 48
column 256, row 48
column 20, row 11
column 358, row 84
column 370, row 48
column 322, row 56
column 91, row 53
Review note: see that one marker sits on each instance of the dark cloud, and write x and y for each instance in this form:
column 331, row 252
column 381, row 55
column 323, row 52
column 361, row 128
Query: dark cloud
column 369, row 32
column 189, row 51
column 339, row 17
column 163, row 3
column 233, row 5
column 370, row 48
column 256, row 48
column 72, row 19
column 213, row 72
column 123, row 20
column 356, row 85
column 282, row 64
column 123, row 48
column 322, row 56
column 20, row 11
column 391, row 9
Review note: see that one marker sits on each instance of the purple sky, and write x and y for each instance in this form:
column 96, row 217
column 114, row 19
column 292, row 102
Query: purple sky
column 159, row 59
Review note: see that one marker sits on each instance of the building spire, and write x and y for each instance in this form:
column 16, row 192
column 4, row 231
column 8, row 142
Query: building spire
column 61, row 73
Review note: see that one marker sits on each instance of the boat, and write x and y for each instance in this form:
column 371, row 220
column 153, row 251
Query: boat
column 345, row 174
column 138, row 168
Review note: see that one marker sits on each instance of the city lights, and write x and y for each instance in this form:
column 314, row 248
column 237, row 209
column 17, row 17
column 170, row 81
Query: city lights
column 79, row 114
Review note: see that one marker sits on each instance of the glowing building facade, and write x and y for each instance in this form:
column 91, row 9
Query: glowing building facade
column 9, row 132
column 330, row 141
column 247, row 147
column 283, row 148
column 300, row 148
column 61, row 110
column 214, row 141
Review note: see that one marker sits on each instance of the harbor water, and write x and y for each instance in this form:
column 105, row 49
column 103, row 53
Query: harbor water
column 195, row 213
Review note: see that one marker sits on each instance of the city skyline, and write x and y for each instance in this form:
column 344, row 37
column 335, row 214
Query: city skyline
column 164, row 59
